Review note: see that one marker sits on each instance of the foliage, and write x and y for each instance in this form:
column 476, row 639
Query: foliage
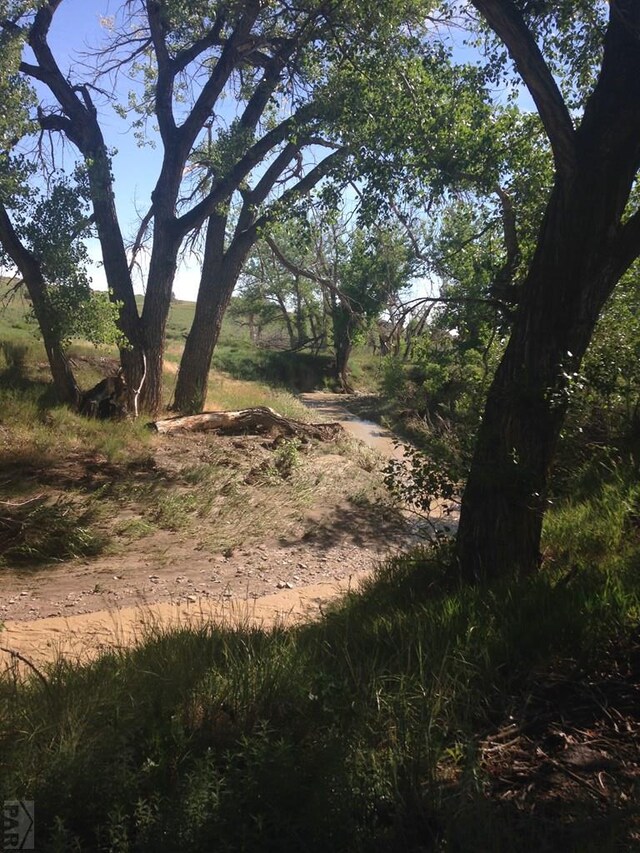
column 17, row 97
column 571, row 37
column 53, row 227
column 360, row 732
column 427, row 129
column 420, row 482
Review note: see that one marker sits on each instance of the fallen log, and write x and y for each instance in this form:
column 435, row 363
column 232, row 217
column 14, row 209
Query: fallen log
column 259, row 420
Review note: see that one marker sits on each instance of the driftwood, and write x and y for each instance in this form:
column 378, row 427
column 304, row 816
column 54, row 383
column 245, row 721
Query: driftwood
column 257, row 421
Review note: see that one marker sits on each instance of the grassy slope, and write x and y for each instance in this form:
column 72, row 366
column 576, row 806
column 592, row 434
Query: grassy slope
column 235, row 355
column 411, row 718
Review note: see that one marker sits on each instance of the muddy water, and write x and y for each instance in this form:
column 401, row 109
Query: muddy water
column 330, row 407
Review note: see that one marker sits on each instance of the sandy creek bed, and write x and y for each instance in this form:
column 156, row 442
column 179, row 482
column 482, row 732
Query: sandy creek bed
column 319, row 576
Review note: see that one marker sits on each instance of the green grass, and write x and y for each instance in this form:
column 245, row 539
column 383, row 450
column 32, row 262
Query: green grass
column 77, row 487
column 40, row 531
column 358, row 733
column 362, row 732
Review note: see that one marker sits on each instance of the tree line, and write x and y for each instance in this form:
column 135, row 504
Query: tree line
column 530, row 215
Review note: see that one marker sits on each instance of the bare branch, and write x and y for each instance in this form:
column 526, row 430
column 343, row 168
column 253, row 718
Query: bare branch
column 142, row 230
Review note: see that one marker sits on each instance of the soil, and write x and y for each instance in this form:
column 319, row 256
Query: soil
column 168, row 574
column 569, row 757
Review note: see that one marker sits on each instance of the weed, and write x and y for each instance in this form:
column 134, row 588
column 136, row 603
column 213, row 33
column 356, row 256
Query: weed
column 197, row 474
column 134, row 528
column 36, row 531
column 286, row 457
column 174, row 511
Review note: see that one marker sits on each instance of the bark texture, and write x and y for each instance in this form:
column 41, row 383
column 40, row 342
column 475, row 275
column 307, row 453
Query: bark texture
column 258, row 420
column 217, row 281
column 584, row 247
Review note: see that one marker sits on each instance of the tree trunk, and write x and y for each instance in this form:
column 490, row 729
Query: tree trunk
column 287, row 321
column 157, row 304
column 301, row 326
column 219, row 276
column 64, row 381
column 576, row 266
column 584, row 247
column 344, row 328
column 343, row 348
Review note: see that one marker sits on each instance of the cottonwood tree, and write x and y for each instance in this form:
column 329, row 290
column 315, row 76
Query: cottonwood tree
column 581, row 64
column 264, row 60
column 343, row 32
column 16, row 98
column 41, row 235
column 360, row 271
column 44, row 241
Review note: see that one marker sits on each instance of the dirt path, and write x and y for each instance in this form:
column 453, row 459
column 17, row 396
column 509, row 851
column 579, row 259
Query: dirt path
column 84, row 636
column 78, row 608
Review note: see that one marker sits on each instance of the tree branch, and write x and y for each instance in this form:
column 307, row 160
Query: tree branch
column 142, row 230
column 228, row 60
column 303, row 186
column 166, row 73
column 230, row 182
column 503, row 287
column 506, row 20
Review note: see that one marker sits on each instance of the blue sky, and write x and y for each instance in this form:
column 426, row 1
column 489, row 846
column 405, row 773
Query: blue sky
column 79, row 25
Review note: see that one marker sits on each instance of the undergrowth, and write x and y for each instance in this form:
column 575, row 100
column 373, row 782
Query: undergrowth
column 360, row 732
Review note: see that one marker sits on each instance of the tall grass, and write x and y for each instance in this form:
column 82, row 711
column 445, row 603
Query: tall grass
column 359, row 732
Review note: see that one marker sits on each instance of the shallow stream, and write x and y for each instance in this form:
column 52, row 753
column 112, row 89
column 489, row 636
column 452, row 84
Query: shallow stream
column 331, row 407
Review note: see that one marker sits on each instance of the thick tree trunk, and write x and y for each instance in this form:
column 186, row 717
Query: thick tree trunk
column 343, row 353
column 64, row 381
column 132, row 355
column 157, row 303
column 573, row 273
column 344, row 328
column 585, row 246
column 220, row 273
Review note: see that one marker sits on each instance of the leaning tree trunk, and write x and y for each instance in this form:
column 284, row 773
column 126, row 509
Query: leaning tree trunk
column 220, row 272
column 155, row 313
column 63, row 379
column 584, row 247
column 574, row 270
